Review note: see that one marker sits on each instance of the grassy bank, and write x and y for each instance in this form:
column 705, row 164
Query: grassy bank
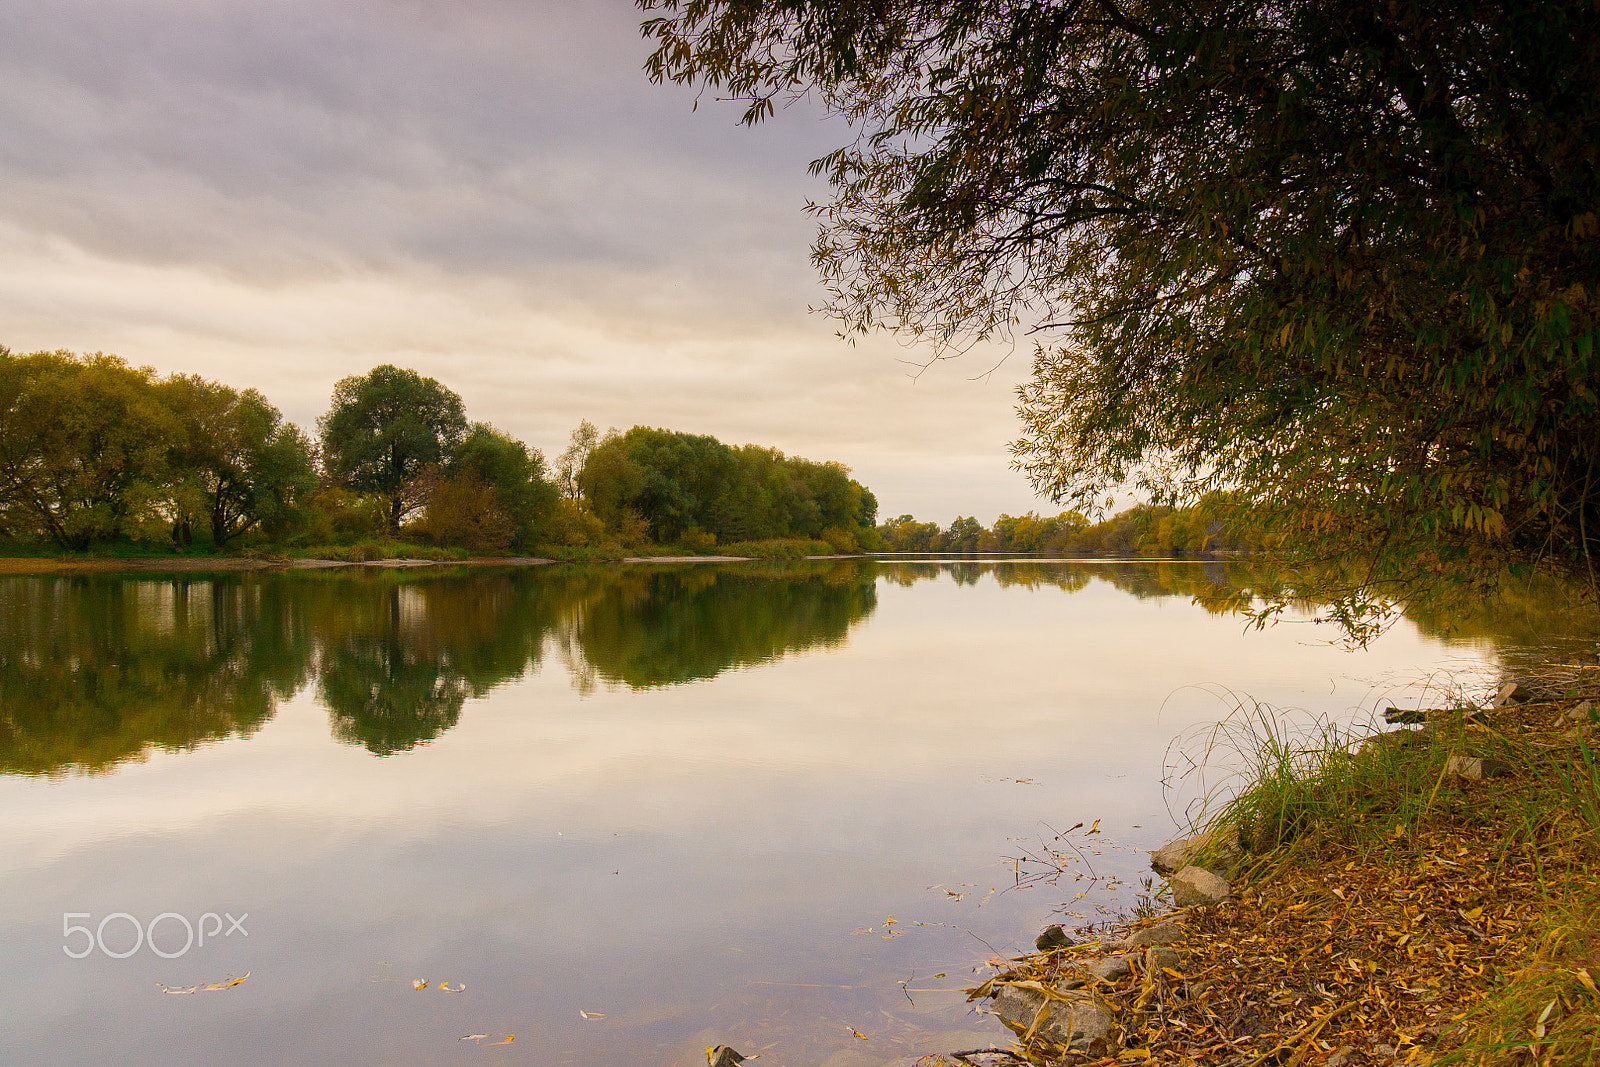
column 1388, row 906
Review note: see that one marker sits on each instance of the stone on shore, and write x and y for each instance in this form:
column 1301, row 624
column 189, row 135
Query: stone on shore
column 1476, row 768
column 1157, row 959
column 1511, row 693
column 1219, row 845
column 1054, row 937
column 1194, row 886
column 976, row 1058
column 1166, row 932
column 1073, row 1020
column 1111, row 968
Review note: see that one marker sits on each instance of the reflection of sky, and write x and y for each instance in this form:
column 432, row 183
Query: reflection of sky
column 690, row 861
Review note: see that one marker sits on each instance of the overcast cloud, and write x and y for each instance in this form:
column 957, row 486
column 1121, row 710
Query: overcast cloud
column 280, row 193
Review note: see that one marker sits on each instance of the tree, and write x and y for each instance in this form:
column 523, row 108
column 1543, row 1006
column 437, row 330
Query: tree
column 569, row 467
column 83, row 447
column 385, row 428
column 516, row 474
column 1340, row 257
column 247, row 466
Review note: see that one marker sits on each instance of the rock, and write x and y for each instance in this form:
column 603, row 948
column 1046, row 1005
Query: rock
column 1166, row 932
column 1197, row 886
column 974, row 1058
column 1073, row 1020
column 1583, row 712
column 1405, row 715
column 1396, row 738
column 1111, row 968
column 723, row 1056
column 1219, row 845
column 1511, row 693
column 1157, row 959
column 1054, row 937
column 1476, row 768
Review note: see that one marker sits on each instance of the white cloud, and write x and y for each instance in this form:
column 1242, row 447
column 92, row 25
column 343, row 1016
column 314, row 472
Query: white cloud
column 279, row 194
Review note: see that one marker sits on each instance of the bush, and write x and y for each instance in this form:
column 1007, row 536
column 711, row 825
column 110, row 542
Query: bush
column 698, row 541
column 467, row 512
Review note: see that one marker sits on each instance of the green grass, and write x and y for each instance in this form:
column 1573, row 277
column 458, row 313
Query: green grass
column 1322, row 798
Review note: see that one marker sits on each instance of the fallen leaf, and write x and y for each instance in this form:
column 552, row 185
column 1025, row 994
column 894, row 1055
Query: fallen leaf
column 592, row 1014
column 419, row 984
column 509, row 1038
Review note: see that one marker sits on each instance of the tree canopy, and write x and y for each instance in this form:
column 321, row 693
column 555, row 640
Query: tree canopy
column 238, row 463
column 1341, row 257
column 675, row 484
column 386, row 427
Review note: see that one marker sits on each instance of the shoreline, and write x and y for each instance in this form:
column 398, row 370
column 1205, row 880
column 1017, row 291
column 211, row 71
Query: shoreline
column 1450, row 916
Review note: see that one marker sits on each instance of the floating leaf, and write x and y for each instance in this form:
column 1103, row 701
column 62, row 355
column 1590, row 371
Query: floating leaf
column 509, row 1038
column 472, row 1037
column 592, row 1014
column 419, row 984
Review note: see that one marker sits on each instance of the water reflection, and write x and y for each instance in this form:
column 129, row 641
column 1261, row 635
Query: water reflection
column 565, row 827
column 95, row 670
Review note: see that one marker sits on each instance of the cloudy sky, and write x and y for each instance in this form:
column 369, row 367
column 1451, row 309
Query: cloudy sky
column 280, row 193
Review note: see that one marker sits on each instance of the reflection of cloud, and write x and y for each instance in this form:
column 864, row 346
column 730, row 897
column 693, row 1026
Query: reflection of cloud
column 282, row 193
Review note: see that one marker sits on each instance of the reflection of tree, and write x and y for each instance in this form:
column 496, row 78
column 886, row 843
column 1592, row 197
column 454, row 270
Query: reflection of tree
column 401, row 653
column 96, row 670
column 384, row 695
column 663, row 626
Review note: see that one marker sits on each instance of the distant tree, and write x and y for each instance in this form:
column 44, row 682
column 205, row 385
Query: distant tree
column 386, row 428
column 569, row 466
column 84, row 443
column 964, row 534
column 247, row 467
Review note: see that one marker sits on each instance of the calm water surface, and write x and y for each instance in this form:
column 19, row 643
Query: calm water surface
column 683, row 800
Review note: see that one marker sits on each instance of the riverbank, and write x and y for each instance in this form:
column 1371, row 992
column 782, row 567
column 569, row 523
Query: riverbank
column 1423, row 895
column 189, row 564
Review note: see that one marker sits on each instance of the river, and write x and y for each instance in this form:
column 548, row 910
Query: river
column 624, row 812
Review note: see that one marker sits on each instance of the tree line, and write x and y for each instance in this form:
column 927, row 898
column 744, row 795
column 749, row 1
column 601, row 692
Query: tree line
column 94, row 451
column 1209, row 527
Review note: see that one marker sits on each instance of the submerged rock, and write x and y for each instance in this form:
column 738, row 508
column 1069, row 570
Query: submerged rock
column 1196, row 886
column 1071, row 1019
